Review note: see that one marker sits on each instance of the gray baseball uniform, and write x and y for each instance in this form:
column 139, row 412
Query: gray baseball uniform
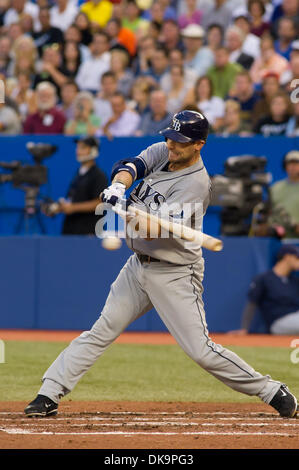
column 173, row 286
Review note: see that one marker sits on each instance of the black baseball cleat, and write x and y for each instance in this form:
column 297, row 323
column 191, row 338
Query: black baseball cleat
column 41, row 406
column 285, row 403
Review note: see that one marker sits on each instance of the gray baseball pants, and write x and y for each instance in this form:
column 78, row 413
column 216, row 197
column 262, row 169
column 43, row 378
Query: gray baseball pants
column 175, row 291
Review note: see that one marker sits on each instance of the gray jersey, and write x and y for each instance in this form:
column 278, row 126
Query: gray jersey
column 185, row 191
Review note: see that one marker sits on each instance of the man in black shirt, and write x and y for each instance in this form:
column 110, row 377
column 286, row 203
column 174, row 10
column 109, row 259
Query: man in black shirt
column 83, row 193
column 48, row 34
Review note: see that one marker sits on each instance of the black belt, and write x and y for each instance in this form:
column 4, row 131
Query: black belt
column 147, row 259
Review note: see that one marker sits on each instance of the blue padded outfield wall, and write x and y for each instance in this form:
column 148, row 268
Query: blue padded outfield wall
column 54, row 282
column 63, row 282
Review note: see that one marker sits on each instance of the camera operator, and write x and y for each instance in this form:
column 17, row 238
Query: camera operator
column 83, row 192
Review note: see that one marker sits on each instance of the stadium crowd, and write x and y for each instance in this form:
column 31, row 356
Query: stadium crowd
column 122, row 68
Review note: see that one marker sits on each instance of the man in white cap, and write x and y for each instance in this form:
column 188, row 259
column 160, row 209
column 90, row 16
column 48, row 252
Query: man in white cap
column 197, row 56
column 285, row 196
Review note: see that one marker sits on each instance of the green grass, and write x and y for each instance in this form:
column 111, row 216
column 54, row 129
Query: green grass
column 138, row 372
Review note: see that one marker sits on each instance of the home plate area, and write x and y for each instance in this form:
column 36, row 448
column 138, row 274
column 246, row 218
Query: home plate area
column 171, row 427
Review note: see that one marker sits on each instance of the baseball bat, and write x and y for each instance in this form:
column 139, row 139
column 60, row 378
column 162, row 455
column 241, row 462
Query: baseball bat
column 181, row 231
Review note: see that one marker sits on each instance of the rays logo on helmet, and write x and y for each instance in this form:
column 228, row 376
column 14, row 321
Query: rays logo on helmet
column 176, row 125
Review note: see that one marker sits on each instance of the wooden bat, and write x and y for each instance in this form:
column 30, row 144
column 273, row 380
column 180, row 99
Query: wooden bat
column 181, row 231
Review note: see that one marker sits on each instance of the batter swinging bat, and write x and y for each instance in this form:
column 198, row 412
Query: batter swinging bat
column 181, row 231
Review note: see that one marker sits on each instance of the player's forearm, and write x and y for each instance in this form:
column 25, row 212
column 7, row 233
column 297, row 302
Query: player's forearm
column 123, row 177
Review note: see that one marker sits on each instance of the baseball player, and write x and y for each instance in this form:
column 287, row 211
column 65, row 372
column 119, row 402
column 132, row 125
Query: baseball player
column 164, row 273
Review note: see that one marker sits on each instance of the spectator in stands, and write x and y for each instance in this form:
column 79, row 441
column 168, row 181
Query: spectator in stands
column 275, row 294
column 223, row 73
column 289, row 77
column 286, row 35
column 284, row 197
column 120, row 36
column 158, row 118
column 68, row 92
column 170, row 36
column 145, row 51
column 123, row 121
column 287, row 9
column 73, row 33
column 5, row 58
column 192, row 15
column 234, row 38
column 15, row 30
column 99, row 12
column 232, row 122
column 26, row 24
column 244, row 92
column 176, row 57
column 85, row 122
column 91, row 70
column 269, row 61
column 51, row 69
column 47, row 34
column 48, row 119
column 160, row 11
column 18, row 9
column 216, row 12
column 293, row 124
column 256, row 11
column 83, row 24
column 214, row 37
column 24, row 55
column 211, row 106
column 24, row 96
column 71, row 59
column 140, row 97
column 83, row 193
column 197, row 56
column 270, row 86
column 62, row 14
column 133, row 20
column 102, row 104
column 119, row 65
column 251, row 43
column 159, row 64
column 178, row 89
column 277, row 121
column 4, row 6
column 9, row 120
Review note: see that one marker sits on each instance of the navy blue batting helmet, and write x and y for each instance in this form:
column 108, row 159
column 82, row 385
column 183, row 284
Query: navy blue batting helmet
column 187, row 126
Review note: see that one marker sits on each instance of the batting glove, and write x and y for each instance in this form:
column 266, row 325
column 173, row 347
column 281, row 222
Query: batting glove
column 113, row 193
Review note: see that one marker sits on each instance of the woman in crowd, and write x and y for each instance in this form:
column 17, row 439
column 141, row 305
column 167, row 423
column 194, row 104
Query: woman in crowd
column 215, row 35
column 83, row 24
column 24, row 56
column 192, row 15
column 85, row 122
column 276, row 122
column 212, row 106
column 233, row 124
column 119, row 66
column 140, row 97
column 24, row 96
column 71, row 59
column 256, row 11
column 269, row 61
column 177, row 89
column 270, row 86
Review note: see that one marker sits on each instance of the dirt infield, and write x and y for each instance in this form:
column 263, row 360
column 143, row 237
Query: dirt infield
column 147, row 425
column 149, row 338
column 126, row 425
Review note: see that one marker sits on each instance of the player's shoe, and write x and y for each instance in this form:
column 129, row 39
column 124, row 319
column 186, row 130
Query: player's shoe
column 41, row 406
column 284, row 402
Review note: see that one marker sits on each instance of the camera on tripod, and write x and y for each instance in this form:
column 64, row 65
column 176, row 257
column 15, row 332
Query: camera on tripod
column 29, row 178
column 240, row 192
column 24, row 174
